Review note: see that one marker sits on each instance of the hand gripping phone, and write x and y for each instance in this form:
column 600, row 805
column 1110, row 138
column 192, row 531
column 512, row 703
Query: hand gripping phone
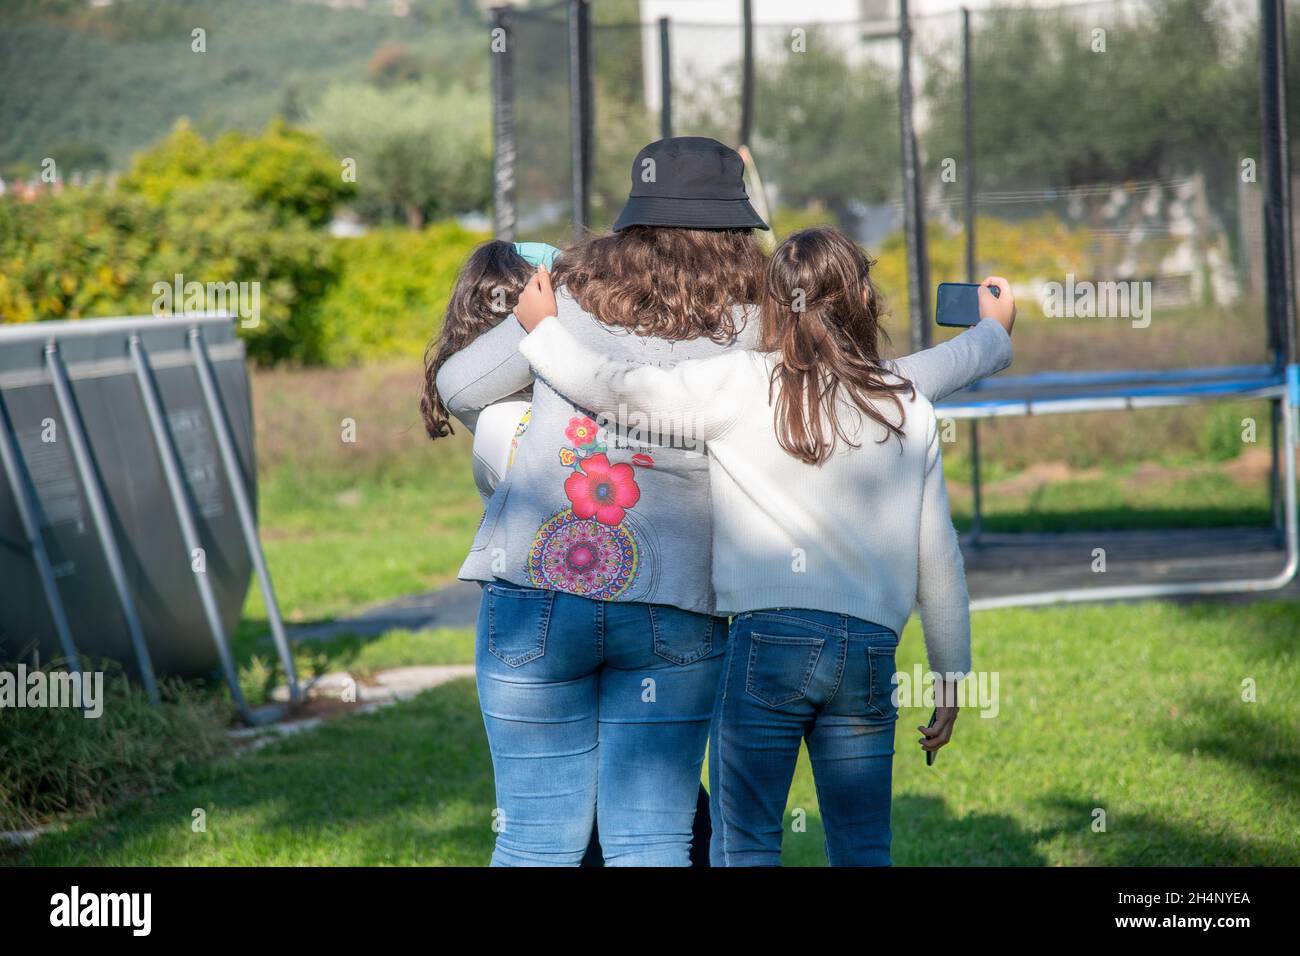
column 958, row 304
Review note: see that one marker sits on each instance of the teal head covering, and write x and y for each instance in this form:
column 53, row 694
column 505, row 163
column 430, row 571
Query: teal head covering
column 538, row 253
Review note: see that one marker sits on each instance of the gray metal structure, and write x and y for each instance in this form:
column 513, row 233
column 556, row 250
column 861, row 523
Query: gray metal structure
column 127, row 521
column 665, row 80
column 581, row 108
column 504, row 210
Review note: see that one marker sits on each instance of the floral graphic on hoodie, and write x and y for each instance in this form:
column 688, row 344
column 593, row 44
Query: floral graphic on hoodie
column 589, row 548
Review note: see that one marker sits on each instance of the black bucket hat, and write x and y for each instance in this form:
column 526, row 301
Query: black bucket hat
column 689, row 182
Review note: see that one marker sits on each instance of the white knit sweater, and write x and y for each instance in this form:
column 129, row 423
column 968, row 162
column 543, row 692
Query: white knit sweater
column 867, row 534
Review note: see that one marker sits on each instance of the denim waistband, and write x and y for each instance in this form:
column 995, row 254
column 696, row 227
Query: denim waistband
column 826, row 621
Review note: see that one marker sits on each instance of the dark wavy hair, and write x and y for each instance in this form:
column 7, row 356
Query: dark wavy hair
column 486, row 291
column 667, row 282
column 821, row 313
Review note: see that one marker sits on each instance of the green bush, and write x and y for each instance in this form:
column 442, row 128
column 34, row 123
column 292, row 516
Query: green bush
column 287, row 169
column 392, row 291
column 95, row 252
column 55, row 761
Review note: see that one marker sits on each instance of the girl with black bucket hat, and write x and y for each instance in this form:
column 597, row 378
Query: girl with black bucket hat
column 598, row 650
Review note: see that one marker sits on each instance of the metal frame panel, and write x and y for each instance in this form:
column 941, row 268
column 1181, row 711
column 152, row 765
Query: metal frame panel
column 46, row 337
column 94, row 492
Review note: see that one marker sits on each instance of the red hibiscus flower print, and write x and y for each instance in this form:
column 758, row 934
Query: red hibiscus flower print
column 581, row 431
column 602, row 490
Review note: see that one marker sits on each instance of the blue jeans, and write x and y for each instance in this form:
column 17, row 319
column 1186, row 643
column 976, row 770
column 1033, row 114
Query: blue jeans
column 794, row 675
column 575, row 691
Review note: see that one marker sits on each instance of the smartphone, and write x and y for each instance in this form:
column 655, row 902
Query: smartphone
column 930, row 754
column 958, row 304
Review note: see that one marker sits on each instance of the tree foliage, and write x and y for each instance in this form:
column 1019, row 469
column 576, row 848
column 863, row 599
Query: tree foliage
column 420, row 153
column 288, row 170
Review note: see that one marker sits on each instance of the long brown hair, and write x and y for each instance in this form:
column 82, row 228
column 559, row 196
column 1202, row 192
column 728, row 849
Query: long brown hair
column 486, row 291
column 821, row 313
column 667, row 282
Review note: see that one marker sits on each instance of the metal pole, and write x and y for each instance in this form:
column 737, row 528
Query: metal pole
column 665, row 81
column 25, row 498
column 968, row 144
column 918, row 280
column 504, row 210
column 580, row 110
column 1280, row 263
column 170, row 461
column 99, row 513
column 747, row 73
column 243, row 506
column 968, row 205
column 1279, row 255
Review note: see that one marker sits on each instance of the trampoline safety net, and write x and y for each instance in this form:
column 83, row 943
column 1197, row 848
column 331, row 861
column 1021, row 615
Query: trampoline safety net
column 1116, row 144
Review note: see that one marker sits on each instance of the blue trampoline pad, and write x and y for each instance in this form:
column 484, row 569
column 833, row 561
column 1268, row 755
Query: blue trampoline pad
column 1049, row 393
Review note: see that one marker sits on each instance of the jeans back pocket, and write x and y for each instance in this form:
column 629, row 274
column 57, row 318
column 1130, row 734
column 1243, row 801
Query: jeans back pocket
column 682, row 637
column 518, row 619
column 780, row 667
column 880, row 680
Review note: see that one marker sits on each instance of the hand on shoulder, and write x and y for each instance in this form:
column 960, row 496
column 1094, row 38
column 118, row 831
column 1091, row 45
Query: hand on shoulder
column 537, row 301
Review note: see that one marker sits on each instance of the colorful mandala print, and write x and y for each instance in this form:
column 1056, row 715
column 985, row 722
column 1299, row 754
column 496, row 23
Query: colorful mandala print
column 588, row 548
column 583, row 556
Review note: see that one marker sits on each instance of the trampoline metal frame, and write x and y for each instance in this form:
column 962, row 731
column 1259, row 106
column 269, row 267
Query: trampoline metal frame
column 1282, row 392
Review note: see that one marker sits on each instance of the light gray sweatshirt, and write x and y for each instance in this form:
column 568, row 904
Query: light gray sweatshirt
column 591, row 511
column 866, row 533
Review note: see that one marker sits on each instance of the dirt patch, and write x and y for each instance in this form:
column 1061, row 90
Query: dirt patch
column 1248, row 469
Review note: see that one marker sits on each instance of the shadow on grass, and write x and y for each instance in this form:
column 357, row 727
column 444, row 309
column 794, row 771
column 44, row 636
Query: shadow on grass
column 1143, row 839
column 1245, row 736
column 927, row 834
column 410, row 784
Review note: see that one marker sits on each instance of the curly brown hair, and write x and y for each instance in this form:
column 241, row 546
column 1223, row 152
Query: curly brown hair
column 671, row 283
column 821, row 313
column 486, row 291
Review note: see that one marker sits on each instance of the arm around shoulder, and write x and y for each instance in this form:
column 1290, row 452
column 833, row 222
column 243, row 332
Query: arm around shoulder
column 487, row 370
column 700, row 393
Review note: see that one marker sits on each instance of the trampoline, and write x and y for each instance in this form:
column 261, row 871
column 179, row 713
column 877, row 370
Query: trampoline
column 1163, row 557
column 919, row 85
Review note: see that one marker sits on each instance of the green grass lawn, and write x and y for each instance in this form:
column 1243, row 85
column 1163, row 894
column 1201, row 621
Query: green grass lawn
column 1136, row 710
